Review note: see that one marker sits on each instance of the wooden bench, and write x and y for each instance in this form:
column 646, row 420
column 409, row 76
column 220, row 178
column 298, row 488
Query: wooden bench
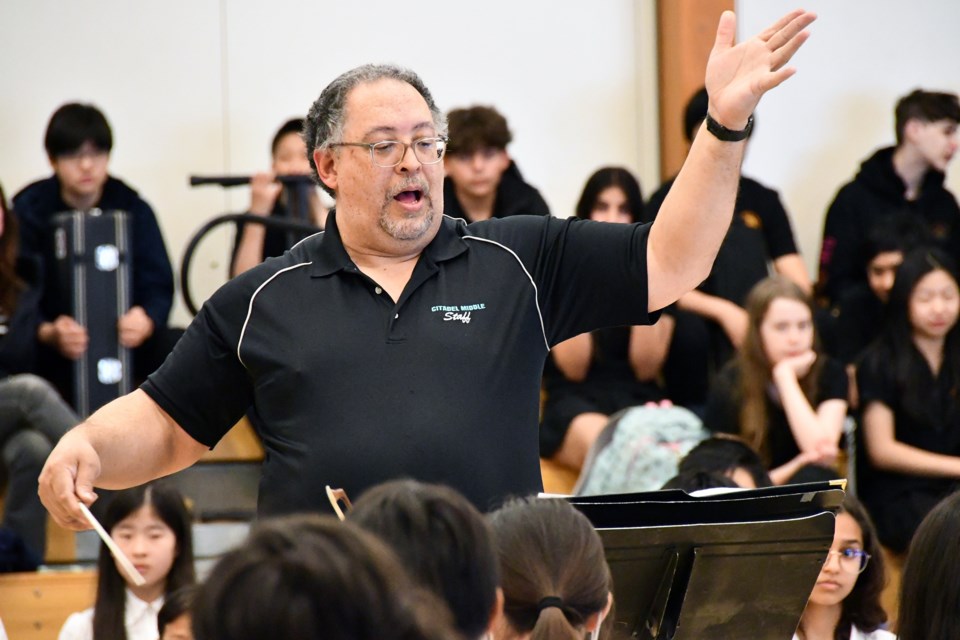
column 34, row 606
column 556, row 477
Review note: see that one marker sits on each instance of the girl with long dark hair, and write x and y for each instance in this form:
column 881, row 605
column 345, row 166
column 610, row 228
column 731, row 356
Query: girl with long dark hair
column 151, row 525
column 781, row 394
column 909, row 381
column 593, row 375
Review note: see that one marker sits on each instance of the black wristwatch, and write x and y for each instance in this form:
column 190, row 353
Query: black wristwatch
column 729, row 135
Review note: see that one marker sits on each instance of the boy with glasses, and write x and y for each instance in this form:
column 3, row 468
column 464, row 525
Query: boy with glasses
column 78, row 142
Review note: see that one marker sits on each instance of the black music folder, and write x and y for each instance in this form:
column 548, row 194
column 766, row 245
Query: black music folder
column 714, row 566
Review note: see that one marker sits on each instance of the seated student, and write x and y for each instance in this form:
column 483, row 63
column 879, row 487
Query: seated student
column 845, row 602
column 904, row 183
column 786, row 399
column 78, row 143
column 711, row 320
column 442, row 541
column 856, row 320
column 174, row 620
column 268, row 197
column 930, row 586
column 32, row 415
column 312, row 576
column 593, row 375
column 554, row 575
column 859, row 312
column 151, row 526
column 730, row 456
column 909, row 381
column 482, row 180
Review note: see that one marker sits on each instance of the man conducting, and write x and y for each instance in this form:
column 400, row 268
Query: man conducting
column 399, row 342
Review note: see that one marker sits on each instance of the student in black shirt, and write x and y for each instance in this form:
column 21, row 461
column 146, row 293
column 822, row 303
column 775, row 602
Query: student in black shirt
column 909, row 382
column 785, row 398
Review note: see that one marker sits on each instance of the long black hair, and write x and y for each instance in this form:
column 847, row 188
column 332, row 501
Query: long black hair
column 611, row 177
column 895, row 348
column 108, row 613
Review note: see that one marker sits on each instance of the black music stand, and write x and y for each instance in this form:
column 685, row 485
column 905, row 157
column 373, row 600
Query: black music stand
column 733, row 565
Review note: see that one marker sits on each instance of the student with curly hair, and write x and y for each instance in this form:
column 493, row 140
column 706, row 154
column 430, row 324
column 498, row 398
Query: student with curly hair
column 845, row 602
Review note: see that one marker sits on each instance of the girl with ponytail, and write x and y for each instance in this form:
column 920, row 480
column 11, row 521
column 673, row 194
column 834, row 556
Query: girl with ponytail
column 555, row 579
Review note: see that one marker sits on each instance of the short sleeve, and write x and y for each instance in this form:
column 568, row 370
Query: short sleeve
column 202, row 384
column 589, row 275
column 777, row 231
column 834, row 384
column 875, row 382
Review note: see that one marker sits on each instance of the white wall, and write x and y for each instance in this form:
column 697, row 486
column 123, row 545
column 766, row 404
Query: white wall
column 815, row 130
column 199, row 86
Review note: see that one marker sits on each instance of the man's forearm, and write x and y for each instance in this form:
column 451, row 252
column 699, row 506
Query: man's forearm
column 694, row 218
column 136, row 442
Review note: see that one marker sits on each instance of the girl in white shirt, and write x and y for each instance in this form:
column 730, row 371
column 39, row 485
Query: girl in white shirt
column 845, row 603
column 152, row 526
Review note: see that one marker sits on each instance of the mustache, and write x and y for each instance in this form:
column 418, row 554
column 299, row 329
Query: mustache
column 410, row 184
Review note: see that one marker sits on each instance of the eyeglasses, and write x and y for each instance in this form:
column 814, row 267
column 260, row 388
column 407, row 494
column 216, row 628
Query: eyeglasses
column 851, row 560
column 390, row 153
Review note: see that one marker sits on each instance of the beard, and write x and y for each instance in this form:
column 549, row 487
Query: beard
column 408, row 225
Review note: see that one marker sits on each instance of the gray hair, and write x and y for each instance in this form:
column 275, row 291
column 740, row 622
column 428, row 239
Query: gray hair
column 324, row 123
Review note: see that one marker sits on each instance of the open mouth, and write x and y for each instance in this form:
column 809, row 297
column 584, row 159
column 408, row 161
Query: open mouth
column 409, row 197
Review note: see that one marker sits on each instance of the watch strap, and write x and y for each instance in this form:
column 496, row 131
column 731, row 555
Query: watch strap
column 729, row 135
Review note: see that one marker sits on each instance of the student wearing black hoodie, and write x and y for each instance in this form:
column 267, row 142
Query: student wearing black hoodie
column 904, row 182
column 482, row 180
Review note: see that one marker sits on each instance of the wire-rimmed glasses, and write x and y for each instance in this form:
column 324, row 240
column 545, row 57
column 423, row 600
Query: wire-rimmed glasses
column 851, row 560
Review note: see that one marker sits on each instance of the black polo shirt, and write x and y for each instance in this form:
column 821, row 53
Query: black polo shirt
column 348, row 388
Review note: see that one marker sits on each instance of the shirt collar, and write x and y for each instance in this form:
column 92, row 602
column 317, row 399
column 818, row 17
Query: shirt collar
column 136, row 609
column 331, row 256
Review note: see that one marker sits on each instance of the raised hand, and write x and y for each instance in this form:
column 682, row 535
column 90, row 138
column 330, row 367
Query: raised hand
column 738, row 74
column 264, row 191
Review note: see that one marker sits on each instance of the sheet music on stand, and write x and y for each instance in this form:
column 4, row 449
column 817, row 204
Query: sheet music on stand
column 739, row 564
